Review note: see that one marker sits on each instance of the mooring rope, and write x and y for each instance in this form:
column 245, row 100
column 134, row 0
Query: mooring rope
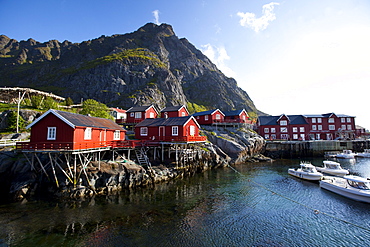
column 316, row 211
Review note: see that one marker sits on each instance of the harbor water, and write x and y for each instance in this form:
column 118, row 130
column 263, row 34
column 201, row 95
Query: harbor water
column 254, row 204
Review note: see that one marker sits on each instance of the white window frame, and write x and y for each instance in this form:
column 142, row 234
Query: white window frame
column 151, row 115
column 183, row 114
column 295, row 136
column 319, row 127
column 175, row 130
column 52, row 134
column 349, row 127
column 192, row 130
column 342, row 120
column 132, row 114
column 331, row 120
column 314, row 127
column 313, row 120
column 332, row 127
column 318, row 120
column 88, row 134
column 266, row 130
column 295, row 129
column 218, row 116
column 206, row 117
column 284, row 130
column 284, row 122
column 343, row 127
column 117, row 135
column 273, row 130
column 138, row 115
column 349, row 120
column 267, row 136
column 144, row 131
column 301, row 129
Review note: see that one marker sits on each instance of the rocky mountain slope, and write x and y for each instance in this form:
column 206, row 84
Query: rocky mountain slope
column 149, row 66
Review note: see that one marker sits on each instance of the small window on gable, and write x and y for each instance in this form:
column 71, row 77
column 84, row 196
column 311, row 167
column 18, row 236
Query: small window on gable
column 87, row 134
column 183, row 114
column 283, row 122
column 151, row 115
column 117, row 135
column 52, row 133
column 175, row 130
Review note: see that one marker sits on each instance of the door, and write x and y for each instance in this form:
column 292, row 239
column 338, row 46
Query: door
column 161, row 133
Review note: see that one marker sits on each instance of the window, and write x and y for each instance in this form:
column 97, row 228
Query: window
column 318, row 120
column 151, row 115
column 273, row 130
column 302, row 137
column 144, row 131
column 175, row 130
column 273, row 137
column 349, row 127
column 295, row 136
column 52, row 133
column 295, row 129
column 284, row 129
column 267, row 136
column 331, row 120
column 331, row 127
column 319, row 127
column 301, row 129
column 343, row 127
column 342, row 120
column 313, row 120
column 137, row 114
column 192, row 130
column 132, row 114
column 117, row 135
column 283, row 122
column 87, row 135
column 314, row 127
column 218, row 116
column 348, row 120
column 183, row 114
column 206, row 117
column 266, row 130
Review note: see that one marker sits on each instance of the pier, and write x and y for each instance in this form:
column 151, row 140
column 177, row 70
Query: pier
column 316, row 148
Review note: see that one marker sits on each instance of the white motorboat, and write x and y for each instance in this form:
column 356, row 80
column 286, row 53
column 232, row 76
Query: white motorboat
column 354, row 187
column 306, row 171
column 364, row 154
column 346, row 154
column 332, row 168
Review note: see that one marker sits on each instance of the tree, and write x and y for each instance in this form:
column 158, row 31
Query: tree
column 95, row 109
column 12, row 121
column 36, row 101
column 49, row 103
column 69, row 101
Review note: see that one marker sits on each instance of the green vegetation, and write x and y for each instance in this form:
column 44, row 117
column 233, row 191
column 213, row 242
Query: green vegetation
column 193, row 107
column 12, row 122
column 95, row 109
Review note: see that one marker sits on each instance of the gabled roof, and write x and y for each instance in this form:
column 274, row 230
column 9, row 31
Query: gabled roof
column 77, row 120
column 273, row 120
column 141, row 108
column 234, row 113
column 210, row 112
column 173, row 108
column 118, row 110
column 327, row 115
column 172, row 121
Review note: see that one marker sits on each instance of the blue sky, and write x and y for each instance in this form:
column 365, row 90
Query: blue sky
column 292, row 57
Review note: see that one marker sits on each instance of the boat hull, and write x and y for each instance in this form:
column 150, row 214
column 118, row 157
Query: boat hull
column 333, row 171
column 305, row 175
column 340, row 188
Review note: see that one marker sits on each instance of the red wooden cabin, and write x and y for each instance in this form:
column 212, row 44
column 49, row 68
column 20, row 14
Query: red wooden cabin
column 175, row 111
column 59, row 130
column 177, row 129
column 137, row 114
column 209, row 117
column 238, row 116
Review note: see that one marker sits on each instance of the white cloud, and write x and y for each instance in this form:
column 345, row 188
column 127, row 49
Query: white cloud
column 218, row 56
column 261, row 23
column 156, row 17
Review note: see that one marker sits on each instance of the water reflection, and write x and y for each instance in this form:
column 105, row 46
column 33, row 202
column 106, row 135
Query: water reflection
column 260, row 205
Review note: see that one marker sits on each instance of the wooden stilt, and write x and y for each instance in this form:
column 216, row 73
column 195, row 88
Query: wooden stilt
column 53, row 169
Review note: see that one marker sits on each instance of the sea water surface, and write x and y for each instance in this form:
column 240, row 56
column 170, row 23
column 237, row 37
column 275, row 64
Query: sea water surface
column 254, row 204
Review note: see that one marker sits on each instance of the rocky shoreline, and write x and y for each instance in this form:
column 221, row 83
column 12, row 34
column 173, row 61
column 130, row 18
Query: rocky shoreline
column 19, row 181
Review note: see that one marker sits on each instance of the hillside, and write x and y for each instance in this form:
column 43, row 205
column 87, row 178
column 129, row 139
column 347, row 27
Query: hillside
column 149, row 66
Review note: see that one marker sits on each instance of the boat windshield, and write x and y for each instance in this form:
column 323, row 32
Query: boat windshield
column 359, row 185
